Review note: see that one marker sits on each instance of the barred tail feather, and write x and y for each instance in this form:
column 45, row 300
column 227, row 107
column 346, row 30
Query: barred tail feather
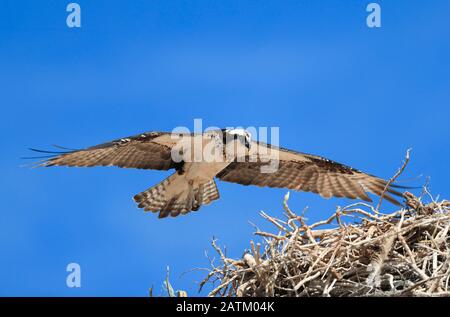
column 175, row 196
column 206, row 193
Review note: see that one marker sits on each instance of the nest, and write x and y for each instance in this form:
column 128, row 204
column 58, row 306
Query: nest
column 405, row 253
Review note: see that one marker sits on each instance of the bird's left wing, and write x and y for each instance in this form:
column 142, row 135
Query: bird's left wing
column 150, row 150
column 304, row 172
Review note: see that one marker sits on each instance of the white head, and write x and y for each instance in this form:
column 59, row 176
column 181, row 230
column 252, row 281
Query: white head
column 238, row 134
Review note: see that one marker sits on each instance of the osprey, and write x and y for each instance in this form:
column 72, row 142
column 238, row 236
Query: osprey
column 229, row 155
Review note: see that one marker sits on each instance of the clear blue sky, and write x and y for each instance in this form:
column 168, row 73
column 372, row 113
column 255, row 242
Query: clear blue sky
column 334, row 87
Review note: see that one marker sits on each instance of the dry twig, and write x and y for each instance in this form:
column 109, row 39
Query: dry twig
column 406, row 253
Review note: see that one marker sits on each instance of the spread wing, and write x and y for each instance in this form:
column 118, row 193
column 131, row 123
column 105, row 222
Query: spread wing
column 304, row 172
column 150, row 150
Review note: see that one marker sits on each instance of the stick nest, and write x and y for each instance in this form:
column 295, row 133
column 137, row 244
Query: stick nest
column 405, row 253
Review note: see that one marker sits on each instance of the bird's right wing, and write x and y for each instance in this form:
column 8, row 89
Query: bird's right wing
column 150, row 150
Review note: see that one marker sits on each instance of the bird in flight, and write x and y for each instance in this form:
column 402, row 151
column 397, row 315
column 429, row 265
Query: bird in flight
column 229, row 155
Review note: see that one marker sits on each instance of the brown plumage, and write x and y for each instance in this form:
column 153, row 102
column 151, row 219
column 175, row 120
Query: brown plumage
column 192, row 185
column 318, row 175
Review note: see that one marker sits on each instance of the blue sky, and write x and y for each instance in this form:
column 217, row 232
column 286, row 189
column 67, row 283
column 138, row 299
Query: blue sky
column 334, row 86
